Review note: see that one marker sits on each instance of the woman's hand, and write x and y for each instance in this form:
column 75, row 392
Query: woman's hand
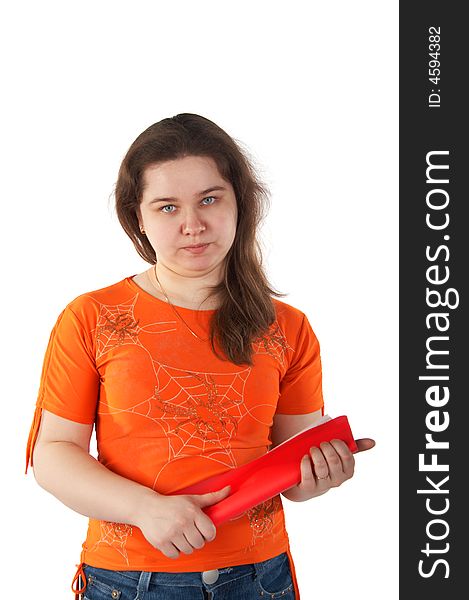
column 174, row 524
column 324, row 468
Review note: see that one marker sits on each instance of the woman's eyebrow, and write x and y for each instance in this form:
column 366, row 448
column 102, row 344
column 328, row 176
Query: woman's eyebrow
column 213, row 188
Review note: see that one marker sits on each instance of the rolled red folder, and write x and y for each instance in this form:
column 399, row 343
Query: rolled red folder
column 270, row 474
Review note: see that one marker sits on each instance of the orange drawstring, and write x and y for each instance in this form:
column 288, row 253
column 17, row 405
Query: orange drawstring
column 34, row 430
column 78, row 591
column 293, row 572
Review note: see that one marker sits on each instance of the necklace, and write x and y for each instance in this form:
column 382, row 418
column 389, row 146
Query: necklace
column 172, row 305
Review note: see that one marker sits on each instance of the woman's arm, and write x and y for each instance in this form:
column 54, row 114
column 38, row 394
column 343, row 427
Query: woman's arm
column 63, row 467
column 325, row 467
column 285, row 426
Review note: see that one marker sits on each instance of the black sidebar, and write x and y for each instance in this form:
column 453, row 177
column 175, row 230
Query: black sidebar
column 434, row 257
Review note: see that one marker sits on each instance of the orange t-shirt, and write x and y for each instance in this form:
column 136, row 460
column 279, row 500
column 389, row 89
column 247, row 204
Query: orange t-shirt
column 169, row 413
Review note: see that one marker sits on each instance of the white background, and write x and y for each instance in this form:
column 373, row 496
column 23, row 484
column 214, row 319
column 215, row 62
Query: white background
column 310, row 88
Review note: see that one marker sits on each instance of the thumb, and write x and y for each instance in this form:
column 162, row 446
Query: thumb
column 213, row 497
column 365, row 444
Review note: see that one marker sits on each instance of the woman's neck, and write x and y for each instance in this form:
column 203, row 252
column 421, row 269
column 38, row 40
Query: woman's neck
column 189, row 292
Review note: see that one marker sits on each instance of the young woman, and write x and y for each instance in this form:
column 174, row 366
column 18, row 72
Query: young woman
column 187, row 370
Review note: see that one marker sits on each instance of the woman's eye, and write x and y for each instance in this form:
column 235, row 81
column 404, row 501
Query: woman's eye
column 166, row 206
column 170, row 208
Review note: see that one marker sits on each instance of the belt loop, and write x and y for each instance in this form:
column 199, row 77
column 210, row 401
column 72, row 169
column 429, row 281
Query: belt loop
column 259, row 568
column 143, row 583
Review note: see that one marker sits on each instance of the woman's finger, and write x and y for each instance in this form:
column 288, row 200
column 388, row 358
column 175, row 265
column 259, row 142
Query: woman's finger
column 182, row 544
column 345, row 455
column 169, row 550
column 321, row 468
column 334, row 463
column 365, row 444
column 307, row 475
column 195, row 538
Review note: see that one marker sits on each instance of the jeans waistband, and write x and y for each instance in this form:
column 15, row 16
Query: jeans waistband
column 143, row 579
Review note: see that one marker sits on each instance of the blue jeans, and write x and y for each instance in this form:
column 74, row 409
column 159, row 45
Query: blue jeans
column 270, row 579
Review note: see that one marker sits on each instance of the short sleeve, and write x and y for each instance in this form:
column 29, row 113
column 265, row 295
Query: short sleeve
column 69, row 384
column 301, row 386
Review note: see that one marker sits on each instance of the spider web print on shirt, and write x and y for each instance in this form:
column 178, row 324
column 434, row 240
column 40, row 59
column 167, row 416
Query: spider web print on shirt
column 274, row 343
column 198, row 412
column 116, row 326
column 114, row 535
column 261, row 520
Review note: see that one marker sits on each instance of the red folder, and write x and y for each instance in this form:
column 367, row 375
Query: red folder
column 266, row 476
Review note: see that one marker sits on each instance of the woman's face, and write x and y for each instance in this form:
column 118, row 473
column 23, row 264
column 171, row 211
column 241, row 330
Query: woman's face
column 180, row 207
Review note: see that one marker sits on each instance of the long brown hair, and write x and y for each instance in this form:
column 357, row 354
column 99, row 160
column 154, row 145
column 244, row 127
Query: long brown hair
column 246, row 309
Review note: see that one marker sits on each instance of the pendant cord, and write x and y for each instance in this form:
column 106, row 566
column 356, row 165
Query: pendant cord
column 172, row 305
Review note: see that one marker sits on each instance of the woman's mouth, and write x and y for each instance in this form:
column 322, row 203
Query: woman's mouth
column 196, row 249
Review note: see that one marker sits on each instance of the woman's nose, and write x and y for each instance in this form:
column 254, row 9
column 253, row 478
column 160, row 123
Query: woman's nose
column 192, row 224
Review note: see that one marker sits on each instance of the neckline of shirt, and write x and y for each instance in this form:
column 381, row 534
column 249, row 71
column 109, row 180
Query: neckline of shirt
column 150, row 297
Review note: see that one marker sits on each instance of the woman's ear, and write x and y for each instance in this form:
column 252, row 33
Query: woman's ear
column 139, row 217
